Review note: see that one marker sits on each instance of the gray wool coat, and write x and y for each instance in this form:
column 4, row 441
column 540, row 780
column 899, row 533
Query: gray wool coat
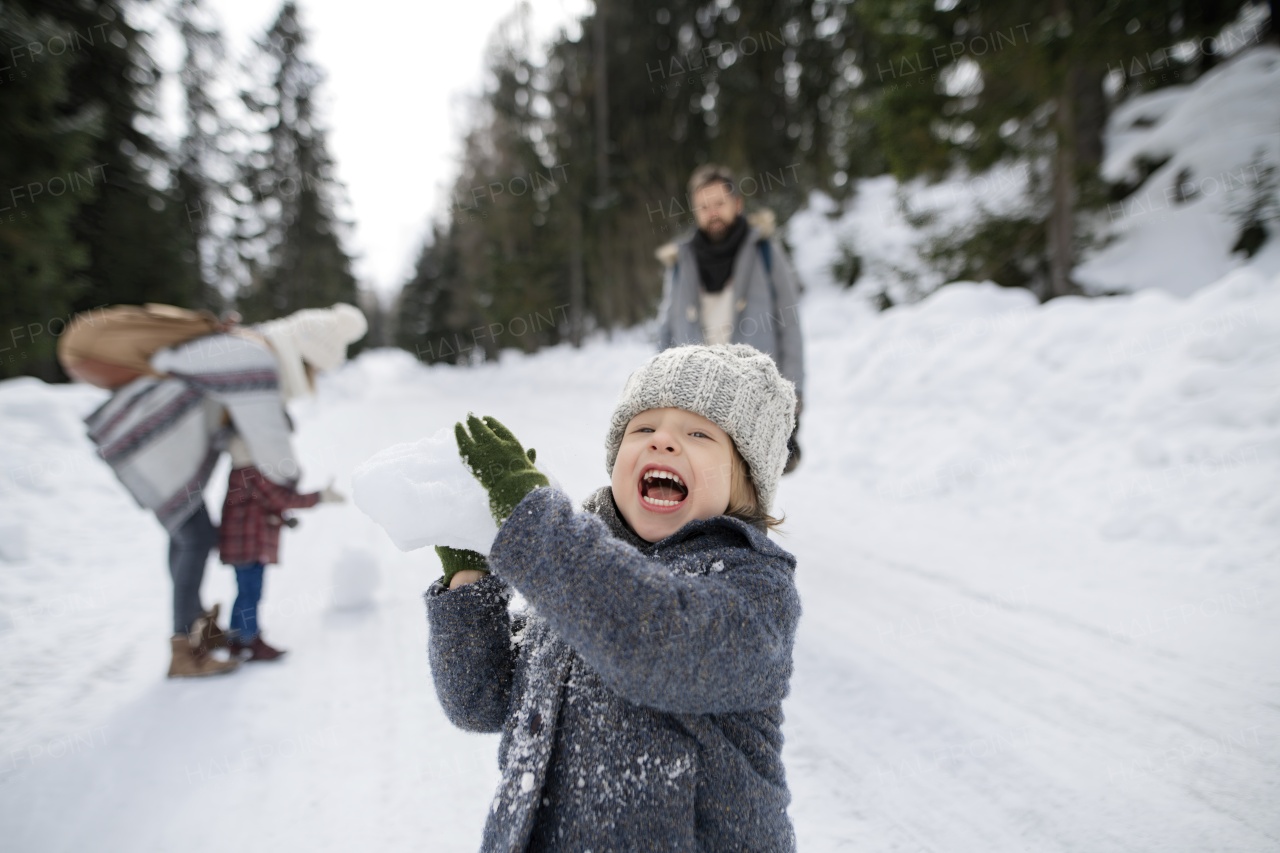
column 639, row 696
column 765, row 304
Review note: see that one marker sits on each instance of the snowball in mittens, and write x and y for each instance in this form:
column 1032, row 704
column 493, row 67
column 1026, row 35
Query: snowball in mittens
column 422, row 494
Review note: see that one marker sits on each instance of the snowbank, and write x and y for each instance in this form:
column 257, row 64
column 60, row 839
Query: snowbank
column 1142, row 416
column 1215, row 139
column 876, row 226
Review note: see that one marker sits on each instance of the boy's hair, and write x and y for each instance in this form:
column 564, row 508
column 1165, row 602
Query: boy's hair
column 744, row 502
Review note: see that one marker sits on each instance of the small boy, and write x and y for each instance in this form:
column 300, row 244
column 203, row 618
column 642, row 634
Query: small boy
column 639, row 696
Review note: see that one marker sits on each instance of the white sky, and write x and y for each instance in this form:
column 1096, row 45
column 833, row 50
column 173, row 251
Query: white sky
column 394, row 102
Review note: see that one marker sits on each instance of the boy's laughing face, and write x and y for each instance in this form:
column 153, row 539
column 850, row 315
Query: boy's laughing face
column 673, row 467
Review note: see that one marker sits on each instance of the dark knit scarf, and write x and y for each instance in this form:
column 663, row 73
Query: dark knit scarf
column 715, row 260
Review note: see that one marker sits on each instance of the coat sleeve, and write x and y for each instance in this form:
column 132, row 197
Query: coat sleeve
column 471, row 651
column 682, row 643
column 786, row 288
column 277, row 498
column 264, row 426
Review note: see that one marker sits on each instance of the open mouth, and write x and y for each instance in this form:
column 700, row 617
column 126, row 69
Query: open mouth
column 662, row 489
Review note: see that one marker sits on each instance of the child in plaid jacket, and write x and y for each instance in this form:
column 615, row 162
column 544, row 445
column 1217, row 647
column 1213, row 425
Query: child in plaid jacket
column 249, row 540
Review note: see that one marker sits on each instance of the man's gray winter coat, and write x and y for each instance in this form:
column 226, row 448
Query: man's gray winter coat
column 639, row 696
column 765, row 301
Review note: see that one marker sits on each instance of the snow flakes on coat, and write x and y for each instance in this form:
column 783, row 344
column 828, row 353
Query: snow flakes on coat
column 639, row 699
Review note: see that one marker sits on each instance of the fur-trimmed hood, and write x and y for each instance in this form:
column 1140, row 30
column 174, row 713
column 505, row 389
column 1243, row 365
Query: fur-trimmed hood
column 763, row 220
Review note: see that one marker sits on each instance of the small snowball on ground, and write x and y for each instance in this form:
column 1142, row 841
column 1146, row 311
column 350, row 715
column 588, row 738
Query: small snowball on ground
column 355, row 580
column 13, row 543
column 422, row 494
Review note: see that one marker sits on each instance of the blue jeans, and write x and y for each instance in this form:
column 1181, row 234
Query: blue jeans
column 244, row 614
column 189, row 548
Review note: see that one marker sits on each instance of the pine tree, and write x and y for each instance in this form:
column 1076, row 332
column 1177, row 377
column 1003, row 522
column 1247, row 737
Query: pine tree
column 293, row 235
column 496, row 275
column 46, row 174
column 106, row 226
column 433, row 314
column 203, row 173
column 135, row 229
column 973, row 84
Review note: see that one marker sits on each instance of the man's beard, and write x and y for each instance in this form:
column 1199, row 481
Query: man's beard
column 716, row 230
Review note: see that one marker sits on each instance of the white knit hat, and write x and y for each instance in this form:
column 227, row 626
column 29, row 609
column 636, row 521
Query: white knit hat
column 735, row 386
column 317, row 336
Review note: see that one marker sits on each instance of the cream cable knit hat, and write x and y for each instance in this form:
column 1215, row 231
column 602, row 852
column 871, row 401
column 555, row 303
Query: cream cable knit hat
column 735, row 386
column 317, row 336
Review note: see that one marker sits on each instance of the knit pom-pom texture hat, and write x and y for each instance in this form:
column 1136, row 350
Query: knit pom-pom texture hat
column 315, row 336
column 735, row 386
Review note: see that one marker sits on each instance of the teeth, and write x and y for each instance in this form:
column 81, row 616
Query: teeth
column 663, row 475
column 656, row 474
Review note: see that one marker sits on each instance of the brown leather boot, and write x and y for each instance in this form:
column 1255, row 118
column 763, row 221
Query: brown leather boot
column 210, row 636
column 255, row 650
column 187, row 662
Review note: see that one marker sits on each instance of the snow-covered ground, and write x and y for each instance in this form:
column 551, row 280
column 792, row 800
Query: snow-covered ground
column 1037, row 554
column 1038, row 551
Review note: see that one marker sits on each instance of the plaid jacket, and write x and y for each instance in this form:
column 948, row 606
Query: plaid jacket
column 251, row 517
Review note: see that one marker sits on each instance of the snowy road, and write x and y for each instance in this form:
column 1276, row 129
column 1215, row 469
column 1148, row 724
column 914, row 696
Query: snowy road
column 938, row 713
column 977, row 669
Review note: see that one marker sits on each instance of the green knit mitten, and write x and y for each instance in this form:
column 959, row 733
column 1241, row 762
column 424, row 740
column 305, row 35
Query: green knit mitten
column 455, row 560
column 498, row 461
